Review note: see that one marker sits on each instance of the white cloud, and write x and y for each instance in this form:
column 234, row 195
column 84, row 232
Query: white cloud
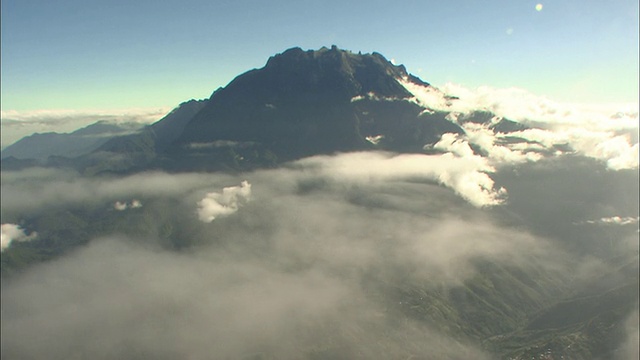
column 607, row 132
column 374, row 97
column 467, row 176
column 487, row 140
column 12, row 232
column 221, row 204
column 121, row 206
column 614, row 220
column 616, row 151
column 34, row 188
column 219, row 144
column 295, row 270
column 375, row 140
column 452, row 143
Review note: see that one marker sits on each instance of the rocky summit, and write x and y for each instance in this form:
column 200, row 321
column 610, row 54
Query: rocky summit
column 301, row 103
column 313, row 102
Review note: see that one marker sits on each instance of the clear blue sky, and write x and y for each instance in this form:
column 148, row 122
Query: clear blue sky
column 83, row 54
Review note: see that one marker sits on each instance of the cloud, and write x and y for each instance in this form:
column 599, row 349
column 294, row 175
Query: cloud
column 467, row 176
column 33, row 189
column 299, row 272
column 221, row 204
column 615, row 151
column 358, row 255
column 165, row 305
column 614, row 220
column 452, row 143
column 607, row 132
column 375, row 140
column 630, row 349
column 38, row 188
column 18, row 124
column 12, row 232
column 121, row 206
column 220, row 144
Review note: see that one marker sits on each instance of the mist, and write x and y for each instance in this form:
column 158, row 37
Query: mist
column 318, row 259
column 366, row 255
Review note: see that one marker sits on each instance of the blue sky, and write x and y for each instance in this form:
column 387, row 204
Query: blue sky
column 84, row 54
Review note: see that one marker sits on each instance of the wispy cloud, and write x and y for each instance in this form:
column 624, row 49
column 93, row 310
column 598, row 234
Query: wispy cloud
column 11, row 232
column 290, row 272
column 607, row 132
column 31, row 189
column 467, row 176
column 614, row 220
column 615, row 150
column 335, row 253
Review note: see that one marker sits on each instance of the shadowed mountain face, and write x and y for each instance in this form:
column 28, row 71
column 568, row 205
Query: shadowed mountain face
column 312, row 102
column 301, row 103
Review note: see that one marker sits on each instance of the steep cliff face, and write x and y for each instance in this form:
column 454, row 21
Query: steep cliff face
column 312, row 102
column 301, row 103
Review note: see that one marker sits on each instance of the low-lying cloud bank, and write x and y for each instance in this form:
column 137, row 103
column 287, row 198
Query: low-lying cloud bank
column 315, row 266
column 115, row 300
column 605, row 132
column 40, row 188
column 13, row 232
column 346, row 256
column 614, row 220
column 467, row 176
column 309, row 268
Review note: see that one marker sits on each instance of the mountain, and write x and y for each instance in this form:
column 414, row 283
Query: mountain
column 139, row 151
column 161, row 133
column 414, row 271
column 314, row 102
column 80, row 142
column 300, row 103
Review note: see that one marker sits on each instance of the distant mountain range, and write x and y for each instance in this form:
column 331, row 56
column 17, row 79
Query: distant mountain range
column 40, row 146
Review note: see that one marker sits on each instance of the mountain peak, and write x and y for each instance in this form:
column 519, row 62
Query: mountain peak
column 358, row 68
column 307, row 102
column 301, row 103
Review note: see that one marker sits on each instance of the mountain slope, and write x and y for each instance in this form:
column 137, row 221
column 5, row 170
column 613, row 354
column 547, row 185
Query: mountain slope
column 301, row 103
column 314, row 102
column 80, row 142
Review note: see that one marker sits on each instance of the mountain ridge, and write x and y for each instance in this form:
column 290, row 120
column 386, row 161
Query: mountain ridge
column 300, row 103
column 40, row 146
